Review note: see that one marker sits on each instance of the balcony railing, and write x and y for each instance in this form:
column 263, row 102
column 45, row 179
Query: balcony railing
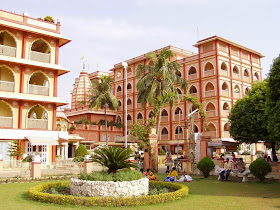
column 235, row 75
column 226, row 134
column 225, row 93
column 38, row 90
column 37, row 123
column 7, row 86
column 140, row 121
column 209, row 93
column 224, row 72
column 192, row 76
column 212, row 134
column 237, row 95
column 129, row 122
column 209, row 73
column 38, row 56
column 246, row 79
column 164, row 118
column 7, row 50
column 179, row 136
column 225, row 113
column 6, row 122
column 211, row 113
column 164, row 137
column 176, row 117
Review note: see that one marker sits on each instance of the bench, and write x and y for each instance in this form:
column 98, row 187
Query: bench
column 244, row 174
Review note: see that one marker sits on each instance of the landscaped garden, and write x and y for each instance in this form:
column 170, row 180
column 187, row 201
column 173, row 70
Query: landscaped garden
column 203, row 194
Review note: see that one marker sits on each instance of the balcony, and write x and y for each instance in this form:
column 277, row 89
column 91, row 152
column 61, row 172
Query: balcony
column 246, row 79
column 235, row 75
column 176, row 117
column 192, row 76
column 7, row 86
column 212, row 134
column 236, row 95
column 211, row 113
column 140, row 121
column 129, row 122
column 38, row 56
column 38, row 90
column 226, row 134
column 7, row 51
column 209, row 93
column 209, row 73
column 179, row 136
column 224, row 72
column 164, row 137
column 225, row 113
column 37, row 123
column 225, row 93
column 164, row 119
column 6, row 122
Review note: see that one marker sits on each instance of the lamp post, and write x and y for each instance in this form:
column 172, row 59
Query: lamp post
column 124, row 64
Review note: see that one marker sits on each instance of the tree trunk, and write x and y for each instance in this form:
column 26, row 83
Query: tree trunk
column 158, row 125
column 274, row 157
column 106, row 126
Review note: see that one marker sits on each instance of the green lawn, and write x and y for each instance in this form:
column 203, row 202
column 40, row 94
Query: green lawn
column 204, row 194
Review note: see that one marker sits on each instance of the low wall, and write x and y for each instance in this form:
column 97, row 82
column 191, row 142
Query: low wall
column 110, row 188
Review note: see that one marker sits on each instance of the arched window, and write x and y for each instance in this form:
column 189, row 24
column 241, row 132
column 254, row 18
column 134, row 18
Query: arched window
column 164, row 113
column 119, row 89
column 40, row 51
column 8, row 43
column 38, row 84
column 225, row 86
column 192, row 108
column 119, row 73
column 129, row 117
column 7, row 79
column 246, row 73
column 164, row 131
column 151, row 63
column 193, row 90
column 246, row 91
column 209, row 87
column 210, row 107
column 226, row 127
column 226, row 106
column 129, row 86
column 6, row 115
column 195, row 129
column 37, row 117
column 211, row 127
column 151, row 114
column 139, row 116
column 178, row 73
column 119, row 119
column 120, row 103
column 235, row 70
column 178, row 111
column 129, row 102
column 224, row 66
column 179, row 91
column 208, row 67
column 256, row 76
column 192, row 70
column 178, row 130
column 236, row 89
column 129, row 70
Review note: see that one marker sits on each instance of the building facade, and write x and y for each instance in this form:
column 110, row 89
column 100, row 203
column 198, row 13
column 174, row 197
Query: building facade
column 29, row 69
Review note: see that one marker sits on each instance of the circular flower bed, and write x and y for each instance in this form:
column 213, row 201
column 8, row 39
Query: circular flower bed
column 41, row 193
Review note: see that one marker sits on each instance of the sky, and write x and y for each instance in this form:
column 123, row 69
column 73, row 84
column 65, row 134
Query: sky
column 107, row 32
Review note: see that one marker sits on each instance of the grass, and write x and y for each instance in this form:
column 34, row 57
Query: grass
column 204, row 194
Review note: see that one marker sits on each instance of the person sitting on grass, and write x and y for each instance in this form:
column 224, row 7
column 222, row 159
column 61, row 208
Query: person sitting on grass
column 227, row 170
column 172, row 176
column 149, row 175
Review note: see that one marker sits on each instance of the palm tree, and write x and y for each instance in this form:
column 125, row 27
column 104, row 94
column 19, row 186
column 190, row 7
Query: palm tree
column 101, row 97
column 159, row 80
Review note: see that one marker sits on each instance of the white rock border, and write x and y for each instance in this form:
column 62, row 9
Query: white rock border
column 87, row 188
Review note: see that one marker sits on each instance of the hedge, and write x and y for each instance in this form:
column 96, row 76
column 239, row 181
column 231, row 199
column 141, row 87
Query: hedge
column 38, row 193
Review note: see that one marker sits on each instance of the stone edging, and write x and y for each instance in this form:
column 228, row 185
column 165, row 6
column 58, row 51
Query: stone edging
column 109, row 188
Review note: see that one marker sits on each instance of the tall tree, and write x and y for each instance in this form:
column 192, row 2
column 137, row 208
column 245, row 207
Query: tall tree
column 273, row 105
column 159, row 79
column 248, row 118
column 101, row 97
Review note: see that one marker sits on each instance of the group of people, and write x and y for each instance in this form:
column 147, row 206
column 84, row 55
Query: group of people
column 148, row 174
column 237, row 166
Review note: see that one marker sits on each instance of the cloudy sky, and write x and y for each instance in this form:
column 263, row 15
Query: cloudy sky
column 110, row 31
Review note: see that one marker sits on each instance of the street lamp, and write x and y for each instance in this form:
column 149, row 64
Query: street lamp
column 124, row 64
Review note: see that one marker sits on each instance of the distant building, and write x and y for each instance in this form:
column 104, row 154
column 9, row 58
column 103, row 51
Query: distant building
column 219, row 74
column 29, row 69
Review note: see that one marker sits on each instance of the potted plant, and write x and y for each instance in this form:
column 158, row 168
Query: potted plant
column 72, row 129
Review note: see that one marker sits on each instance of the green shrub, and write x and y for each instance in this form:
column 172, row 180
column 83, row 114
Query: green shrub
column 260, row 152
column 121, row 175
column 27, row 159
column 72, row 128
column 81, row 151
column 78, row 159
column 260, row 168
column 38, row 193
column 113, row 158
column 161, row 152
column 206, row 165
